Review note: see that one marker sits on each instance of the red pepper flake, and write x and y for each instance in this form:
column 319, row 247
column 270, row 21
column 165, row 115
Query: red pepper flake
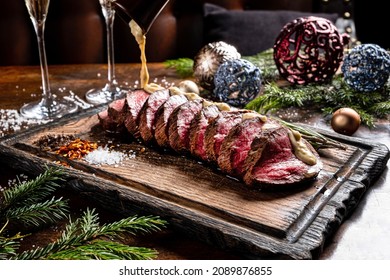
column 76, row 149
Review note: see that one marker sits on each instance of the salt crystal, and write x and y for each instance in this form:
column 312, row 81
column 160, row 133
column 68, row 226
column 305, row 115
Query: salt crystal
column 12, row 121
column 105, row 156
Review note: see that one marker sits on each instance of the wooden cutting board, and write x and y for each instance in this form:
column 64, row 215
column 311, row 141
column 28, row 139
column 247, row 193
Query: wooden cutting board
column 199, row 200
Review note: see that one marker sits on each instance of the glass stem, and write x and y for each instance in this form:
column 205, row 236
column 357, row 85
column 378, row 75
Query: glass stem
column 110, row 52
column 47, row 97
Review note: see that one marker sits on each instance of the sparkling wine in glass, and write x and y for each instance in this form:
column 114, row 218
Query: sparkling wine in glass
column 111, row 90
column 49, row 107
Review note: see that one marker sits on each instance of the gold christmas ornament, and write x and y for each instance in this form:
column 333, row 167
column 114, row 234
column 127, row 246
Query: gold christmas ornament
column 345, row 121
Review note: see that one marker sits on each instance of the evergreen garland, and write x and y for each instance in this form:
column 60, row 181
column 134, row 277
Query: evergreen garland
column 325, row 97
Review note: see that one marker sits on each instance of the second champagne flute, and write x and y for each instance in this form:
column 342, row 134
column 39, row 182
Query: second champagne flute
column 111, row 90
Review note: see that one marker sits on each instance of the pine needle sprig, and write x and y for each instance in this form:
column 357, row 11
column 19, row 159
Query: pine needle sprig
column 39, row 214
column 327, row 97
column 182, row 66
column 86, row 229
column 35, row 190
column 274, row 98
column 133, row 225
column 8, row 248
column 105, row 250
column 381, row 108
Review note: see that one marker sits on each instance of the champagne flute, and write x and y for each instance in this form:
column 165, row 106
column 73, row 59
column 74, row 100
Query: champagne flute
column 111, row 90
column 48, row 107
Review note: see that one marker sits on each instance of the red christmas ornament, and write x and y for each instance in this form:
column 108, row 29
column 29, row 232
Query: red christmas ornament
column 309, row 49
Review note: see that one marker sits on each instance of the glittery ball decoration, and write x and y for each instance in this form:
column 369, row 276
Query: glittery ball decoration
column 237, row 82
column 208, row 60
column 366, row 68
column 309, row 49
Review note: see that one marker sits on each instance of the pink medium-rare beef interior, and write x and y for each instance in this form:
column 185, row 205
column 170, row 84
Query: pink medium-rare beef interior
column 147, row 116
column 276, row 162
column 218, row 130
column 162, row 116
column 236, row 145
column 180, row 122
column 198, row 130
column 134, row 101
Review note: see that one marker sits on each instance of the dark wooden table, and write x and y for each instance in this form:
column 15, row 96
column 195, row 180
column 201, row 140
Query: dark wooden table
column 364, row 235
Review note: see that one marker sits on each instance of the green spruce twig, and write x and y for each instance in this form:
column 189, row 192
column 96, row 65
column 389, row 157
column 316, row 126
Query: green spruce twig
column 327, row 97
column 81, row 235
column 39, row 214
column 104, row 250
column 35, row 190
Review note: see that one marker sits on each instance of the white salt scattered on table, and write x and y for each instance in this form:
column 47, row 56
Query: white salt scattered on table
column 12, row 121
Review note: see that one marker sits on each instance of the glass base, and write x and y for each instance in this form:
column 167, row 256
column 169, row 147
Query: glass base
column 36, row 110
column 102, row 96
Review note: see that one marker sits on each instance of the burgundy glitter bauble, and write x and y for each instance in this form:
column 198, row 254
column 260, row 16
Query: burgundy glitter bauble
column 309, row 49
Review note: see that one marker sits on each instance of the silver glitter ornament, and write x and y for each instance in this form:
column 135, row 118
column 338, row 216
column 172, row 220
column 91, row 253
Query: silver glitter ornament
column 237, row 82
column 208, row 60
column 366, row 68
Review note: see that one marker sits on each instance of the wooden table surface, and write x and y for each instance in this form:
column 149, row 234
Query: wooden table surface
column 363, row 235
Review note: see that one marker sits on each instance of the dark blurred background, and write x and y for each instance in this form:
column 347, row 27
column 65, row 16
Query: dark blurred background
column 75, row 30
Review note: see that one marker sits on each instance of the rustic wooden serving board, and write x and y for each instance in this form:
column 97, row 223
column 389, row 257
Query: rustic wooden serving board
column 201, row 201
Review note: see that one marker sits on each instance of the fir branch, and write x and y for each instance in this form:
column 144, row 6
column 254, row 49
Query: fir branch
column 8, row 248
column 33, row 191
column 328, row 96
column 275, row 98
column 105, row 250
column 79, row 234
column 381, row 108
column 182, row 66
column 133, row 225
column 39, row 214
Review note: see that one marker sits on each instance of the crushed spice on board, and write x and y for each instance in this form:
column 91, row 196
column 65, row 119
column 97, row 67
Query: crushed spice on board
column 77, row 149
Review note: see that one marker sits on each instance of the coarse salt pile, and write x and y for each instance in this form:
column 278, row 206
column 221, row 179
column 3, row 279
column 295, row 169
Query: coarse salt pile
column 103, row 155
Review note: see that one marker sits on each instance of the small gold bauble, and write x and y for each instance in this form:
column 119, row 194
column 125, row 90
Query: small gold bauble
column 345, row 121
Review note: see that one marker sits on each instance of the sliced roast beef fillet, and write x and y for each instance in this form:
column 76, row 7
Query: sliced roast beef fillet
column 117, row 112
column 162, row 115
column 106, row 122
column 198, row 130
column 134, row 101
column 146, row 120
column 237, row 143
column 218, row 129
column 179, row 124
column 272, row 162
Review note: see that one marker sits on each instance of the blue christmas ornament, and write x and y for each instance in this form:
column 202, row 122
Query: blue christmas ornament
column 366, row 68
column 237, row 82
